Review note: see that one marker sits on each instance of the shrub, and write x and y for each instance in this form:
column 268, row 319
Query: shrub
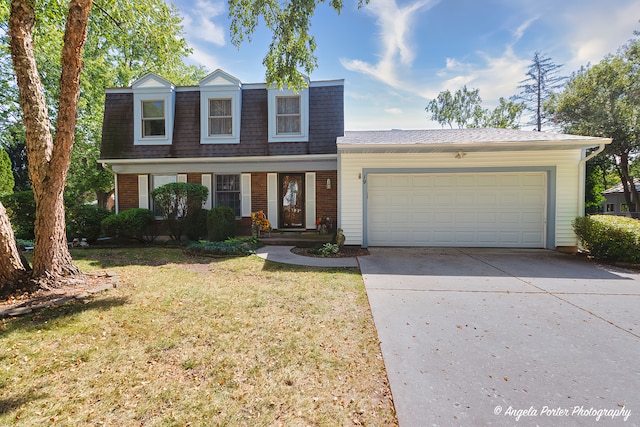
column 131, row 224
column 21, row 209
column 238, row 247
column 196, row 229
column 608, row 237
column 85, row 221
column 180, row 203
column 221, row 223
column 329, row 249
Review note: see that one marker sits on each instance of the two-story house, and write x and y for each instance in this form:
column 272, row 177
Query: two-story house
column 253, row 147
column 287, row 153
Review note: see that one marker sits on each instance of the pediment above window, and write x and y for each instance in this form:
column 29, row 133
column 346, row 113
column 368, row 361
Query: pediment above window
column 220, row 108
column 220, row 79
column 153, row 110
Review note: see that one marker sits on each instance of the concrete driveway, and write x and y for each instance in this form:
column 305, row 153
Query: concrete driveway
column 506, row 337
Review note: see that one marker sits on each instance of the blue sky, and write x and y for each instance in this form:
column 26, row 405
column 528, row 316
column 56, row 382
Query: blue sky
column 396, row 55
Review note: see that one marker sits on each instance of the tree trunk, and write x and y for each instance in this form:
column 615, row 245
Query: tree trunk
column 11, row 267
column 49, row 159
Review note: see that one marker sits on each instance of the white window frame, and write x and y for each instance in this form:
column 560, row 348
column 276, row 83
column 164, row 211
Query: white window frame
column 163, row 118
column 220, row 85
column 139, row 138
column 274, row 136
column 153, row 186
column 210, row 117
column 215, row 190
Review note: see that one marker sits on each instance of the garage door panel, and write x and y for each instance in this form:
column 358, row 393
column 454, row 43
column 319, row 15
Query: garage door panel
column 471, row 209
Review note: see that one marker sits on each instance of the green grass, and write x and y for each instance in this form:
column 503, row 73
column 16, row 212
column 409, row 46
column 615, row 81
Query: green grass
column 198, row 341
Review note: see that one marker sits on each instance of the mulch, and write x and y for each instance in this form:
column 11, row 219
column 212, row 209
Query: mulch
column 30, row 296
column 345, row 252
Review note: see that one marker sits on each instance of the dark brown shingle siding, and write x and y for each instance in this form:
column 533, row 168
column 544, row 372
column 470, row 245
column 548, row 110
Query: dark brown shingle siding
column 326, row 123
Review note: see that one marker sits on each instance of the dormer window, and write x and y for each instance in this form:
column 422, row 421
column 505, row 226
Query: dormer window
column 153, row 110
column 153, row 122
column 220, row 106
column 220, row 117
column 288, row 115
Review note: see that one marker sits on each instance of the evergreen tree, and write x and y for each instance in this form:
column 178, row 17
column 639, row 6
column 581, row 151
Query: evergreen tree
column 542, row 81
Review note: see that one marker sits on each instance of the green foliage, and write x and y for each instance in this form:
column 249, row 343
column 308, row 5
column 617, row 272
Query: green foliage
column 609, row 237
column 240, row 247
column 196, row 229
column 137, row 224
column 85, row 221
column 180, row 203
column 21, row 209
column 328, row 249
column 125, row 40
column 6, row 174
column 593, row 188
column 292, row 46
column 464, row 108
column 221, row 223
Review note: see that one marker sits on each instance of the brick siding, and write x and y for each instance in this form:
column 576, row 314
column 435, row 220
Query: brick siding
column 127, row 192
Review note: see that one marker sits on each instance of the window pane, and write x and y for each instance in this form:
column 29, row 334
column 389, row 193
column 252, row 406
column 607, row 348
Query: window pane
column 289, row 124
column 152, row 109
column 153, row 127
column 228, row 192
column 220, row 126
column 219, row 107
column 289, row 105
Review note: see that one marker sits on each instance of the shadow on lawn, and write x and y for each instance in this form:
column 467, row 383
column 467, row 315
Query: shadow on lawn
column 277, row 266
column 152, row 256
column 52, row 317
column 13, row 403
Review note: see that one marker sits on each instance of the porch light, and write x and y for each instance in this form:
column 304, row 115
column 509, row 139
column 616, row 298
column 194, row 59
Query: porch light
column 328, row 183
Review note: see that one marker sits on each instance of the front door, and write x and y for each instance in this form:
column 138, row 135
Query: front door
column 292, row 200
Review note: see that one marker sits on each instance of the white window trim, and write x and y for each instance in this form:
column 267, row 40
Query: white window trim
column 207, row 93
column 168, row 99
column 273, row 95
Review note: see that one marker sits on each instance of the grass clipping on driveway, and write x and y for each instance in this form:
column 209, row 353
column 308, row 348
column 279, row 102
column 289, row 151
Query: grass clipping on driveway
column 194, row 341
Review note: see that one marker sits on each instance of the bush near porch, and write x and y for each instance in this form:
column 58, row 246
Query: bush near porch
column 610, row 238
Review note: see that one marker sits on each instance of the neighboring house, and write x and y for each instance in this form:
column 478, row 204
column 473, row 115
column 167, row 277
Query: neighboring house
column 615, row 204
column 287, row 154
column 254, row 148
column 466, row 187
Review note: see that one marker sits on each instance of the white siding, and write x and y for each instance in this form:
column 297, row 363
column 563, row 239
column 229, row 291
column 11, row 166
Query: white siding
column 352, row 166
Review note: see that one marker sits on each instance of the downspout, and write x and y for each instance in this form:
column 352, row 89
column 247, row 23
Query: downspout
column 115, row 181
column 582, row 172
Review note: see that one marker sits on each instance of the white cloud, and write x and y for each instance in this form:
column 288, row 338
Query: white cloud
column 395, row 27
column 198, row 24
column 393, row 111
column 208, row 61
column 519, row 32
column 590, row 36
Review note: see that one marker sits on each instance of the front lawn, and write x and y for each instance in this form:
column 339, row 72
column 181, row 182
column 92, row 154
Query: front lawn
column 187, row 340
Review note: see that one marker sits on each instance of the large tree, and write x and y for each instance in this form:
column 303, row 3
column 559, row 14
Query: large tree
column 292, row 45
column 464, row 108
column 125, row 39
column 602, row 100
column 541, row 83
column 49, row 155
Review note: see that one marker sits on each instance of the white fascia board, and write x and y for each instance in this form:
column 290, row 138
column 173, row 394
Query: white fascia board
column 225, row 165
column 472, row 147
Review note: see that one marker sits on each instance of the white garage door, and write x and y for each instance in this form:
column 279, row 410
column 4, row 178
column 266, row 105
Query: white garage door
column 461, row 209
